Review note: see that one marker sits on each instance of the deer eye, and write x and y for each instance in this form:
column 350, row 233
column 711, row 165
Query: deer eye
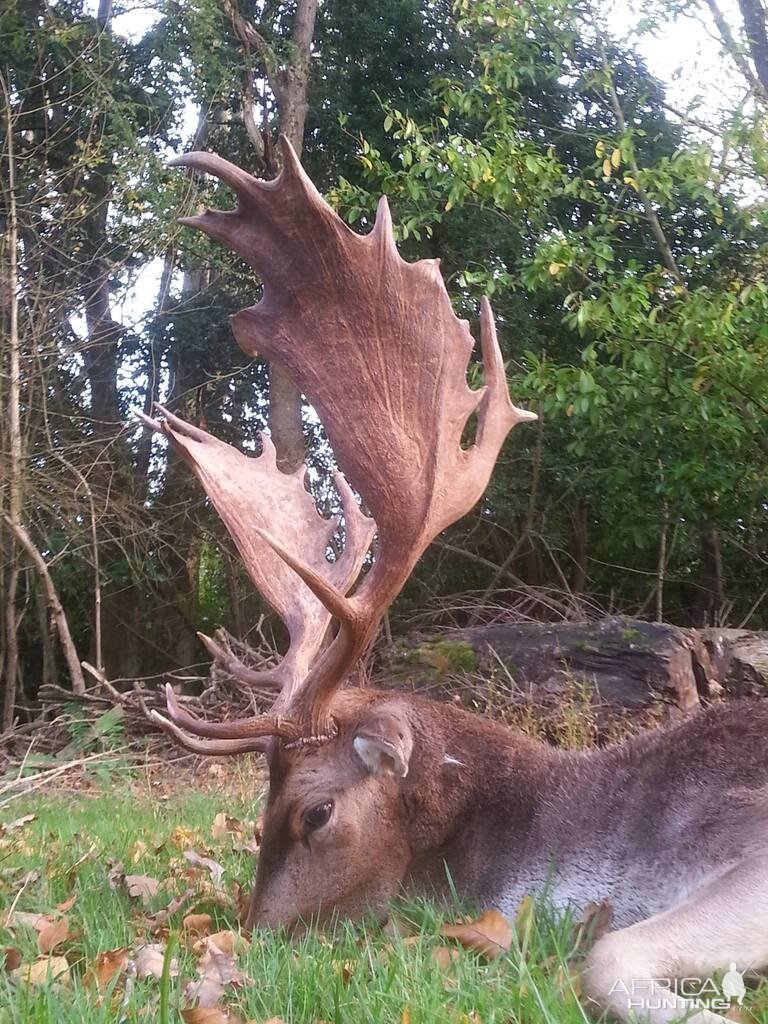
column 318, row 816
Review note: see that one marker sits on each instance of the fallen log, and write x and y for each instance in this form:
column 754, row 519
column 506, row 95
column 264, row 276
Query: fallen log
column 629, row 663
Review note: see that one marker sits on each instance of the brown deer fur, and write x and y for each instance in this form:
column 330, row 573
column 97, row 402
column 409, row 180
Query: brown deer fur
column 371, row 792
column 505, row 815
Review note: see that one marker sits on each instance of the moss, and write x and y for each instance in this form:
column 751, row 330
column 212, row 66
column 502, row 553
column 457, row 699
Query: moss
column 630, row 636
column 445, row 657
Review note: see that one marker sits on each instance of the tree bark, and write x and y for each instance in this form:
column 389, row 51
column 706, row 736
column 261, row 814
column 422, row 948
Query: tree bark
column 285, row 419
column 152, row 394
column 756, row 84
column 289, row 87
column 57, row 610
column 580, row 520
column 9, row 297
column 754, row 15
column 711, row 582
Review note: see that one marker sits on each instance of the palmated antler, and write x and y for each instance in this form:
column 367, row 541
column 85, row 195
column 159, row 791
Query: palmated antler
column 251, row 494
column 374, row 344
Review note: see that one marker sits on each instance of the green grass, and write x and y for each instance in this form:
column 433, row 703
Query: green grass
column 359, row 974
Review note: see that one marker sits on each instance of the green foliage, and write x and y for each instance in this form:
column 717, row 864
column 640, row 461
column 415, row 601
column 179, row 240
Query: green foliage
column 650, row 367
column 492, row 127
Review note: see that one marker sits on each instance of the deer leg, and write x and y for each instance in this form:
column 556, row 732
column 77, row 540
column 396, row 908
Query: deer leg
column 721, row 924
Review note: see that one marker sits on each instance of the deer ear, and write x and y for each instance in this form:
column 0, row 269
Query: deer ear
column 384, row 743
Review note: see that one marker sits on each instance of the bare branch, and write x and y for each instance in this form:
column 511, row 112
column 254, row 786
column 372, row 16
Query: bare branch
column 654, row 223
column 736, row 52
column 55, row 605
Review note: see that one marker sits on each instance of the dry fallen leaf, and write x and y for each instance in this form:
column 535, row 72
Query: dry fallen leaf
column 227, row 941
column 181, row 837
column 241, row 901
column 737, row 1014
column 52, row 935
column 115, row 875
column 745, row 1014
column 137, row 851
column 107, row 966
column 149, row 962
column 525, row 919
column 67, row 905
column 224, row 825
column 491, row 934
column 344, row 970
column 12, row 958
column 444, row 957
column 20, row 918
column 209, row 1015
column 142, row 887
column 215, row 869
column 568, row 981
column 161, row 918
column 596, row 920
column 197, row 924
column 215, row 971
column 43, row 970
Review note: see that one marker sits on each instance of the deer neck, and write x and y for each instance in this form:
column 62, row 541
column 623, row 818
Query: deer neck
column 474, row 800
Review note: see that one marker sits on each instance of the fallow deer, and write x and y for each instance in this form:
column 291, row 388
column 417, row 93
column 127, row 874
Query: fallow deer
column 370, row 791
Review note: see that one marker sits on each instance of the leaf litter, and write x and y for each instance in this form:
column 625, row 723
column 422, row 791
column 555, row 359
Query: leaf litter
column 213, row 955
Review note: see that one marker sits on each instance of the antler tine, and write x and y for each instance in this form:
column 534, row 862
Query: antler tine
column 244, row 185
column 250, row 676
column 239, row 729
column 496, row 393
column 210, row 747
column 324, row 591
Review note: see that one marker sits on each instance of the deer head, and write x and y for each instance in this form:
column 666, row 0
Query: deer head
column 374, row 344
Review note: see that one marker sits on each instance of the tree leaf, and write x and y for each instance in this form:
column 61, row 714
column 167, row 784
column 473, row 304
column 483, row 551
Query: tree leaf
column 107, row 966
column 45, row 969
column 491, row 934
column 142, row 887
column 52, row 935
column 149, row 962
column 197, row 924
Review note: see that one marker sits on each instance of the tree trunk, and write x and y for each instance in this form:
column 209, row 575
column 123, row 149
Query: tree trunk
column 580, row 541
column 754, row 16
column 712, row 598
column 285, row 420
column 289, row 87
column 54, row 604
column 10, row 300
column 153, row 358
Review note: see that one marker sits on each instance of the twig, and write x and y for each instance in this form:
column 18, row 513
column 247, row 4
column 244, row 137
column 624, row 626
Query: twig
column 43, row 778
column 57, row 610
column 101, row 679
column 665, row 251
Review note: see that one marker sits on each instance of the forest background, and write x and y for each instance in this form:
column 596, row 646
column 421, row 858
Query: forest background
column 618, row 222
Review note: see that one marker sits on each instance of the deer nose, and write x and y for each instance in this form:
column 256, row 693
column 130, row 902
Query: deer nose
column 262, row 916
